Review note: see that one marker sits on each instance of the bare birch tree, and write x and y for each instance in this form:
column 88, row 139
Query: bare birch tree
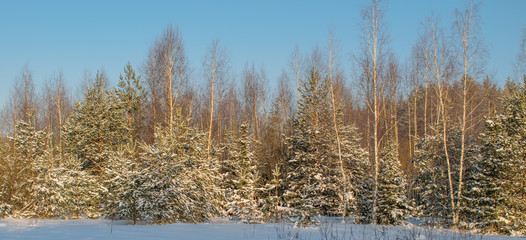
column 442, row 70
column 470, row 53
column 57, row 105
column 520, row 65
column 344, row 180
column 215, row 72
column 22, row 102
column 253, row 95
column 166, row 72
column 421, row 74
column 295, row 66
column 373, row 84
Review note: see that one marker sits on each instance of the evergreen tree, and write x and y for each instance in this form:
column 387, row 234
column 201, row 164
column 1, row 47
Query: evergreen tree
column 6, row 165
column 358, row 169
column 478, row 196
column 309, row 152
column 52, row 187
column 81, row 192
column 498, row 202
column 273, row 203
column 181, row 178
column 96, row 128
column 31, row 153
column 123, row 173
column 392, row 202
column 314, row 179
column 45, row 186
column 432, row 182
column 129, row 98
column 243, row 177
column 123, row 179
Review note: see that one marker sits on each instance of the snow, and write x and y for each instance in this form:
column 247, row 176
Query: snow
column 104, row 229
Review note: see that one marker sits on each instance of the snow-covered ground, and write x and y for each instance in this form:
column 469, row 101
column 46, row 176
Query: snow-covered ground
column 104, row 229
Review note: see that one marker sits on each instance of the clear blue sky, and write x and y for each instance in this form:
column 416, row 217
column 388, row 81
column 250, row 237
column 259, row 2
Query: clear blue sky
column 79, row 36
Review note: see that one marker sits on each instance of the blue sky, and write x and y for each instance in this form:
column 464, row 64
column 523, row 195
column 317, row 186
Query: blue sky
column 75, row 37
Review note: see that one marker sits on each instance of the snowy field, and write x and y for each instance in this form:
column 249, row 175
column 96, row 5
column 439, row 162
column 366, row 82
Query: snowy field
column 104, row 229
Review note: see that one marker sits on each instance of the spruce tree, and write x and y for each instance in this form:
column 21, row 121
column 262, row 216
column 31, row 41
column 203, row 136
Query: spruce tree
column 81, row 191
column 358, row 169
column 273, row 203
column 432, row 183
column 392, row 202
column 499, row 205
column 314, row 182
column 243, row 190
column 309, row 152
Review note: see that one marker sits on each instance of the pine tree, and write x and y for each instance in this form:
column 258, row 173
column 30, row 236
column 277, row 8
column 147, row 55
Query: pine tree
column 129, row 98
column 48, row 189
column 45, row 189
column 123, row 178
column 123, row 174
column 31, row 153
column 6, row 167
column 96, row 128
column 52, row 187
column 181, row 178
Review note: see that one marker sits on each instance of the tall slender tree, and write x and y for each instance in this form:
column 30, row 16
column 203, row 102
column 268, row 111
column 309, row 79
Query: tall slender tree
column 344, row 194
column 471, row 54
column 57, row 106
column 166, row 72
column 442, row 72
column 215, row 70
column 373, row 83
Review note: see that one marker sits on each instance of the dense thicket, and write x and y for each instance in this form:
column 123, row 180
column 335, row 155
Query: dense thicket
column 437, row 141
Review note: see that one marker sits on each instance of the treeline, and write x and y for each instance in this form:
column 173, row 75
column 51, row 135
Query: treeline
column 432, row 138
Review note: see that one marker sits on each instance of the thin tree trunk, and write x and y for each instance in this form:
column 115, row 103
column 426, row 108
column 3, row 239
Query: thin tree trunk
column 335, row 122
column 59, row 111
column 410, row 140
column 470, row 52
column 442, row 92
column 170, row 95
column 211, row 101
